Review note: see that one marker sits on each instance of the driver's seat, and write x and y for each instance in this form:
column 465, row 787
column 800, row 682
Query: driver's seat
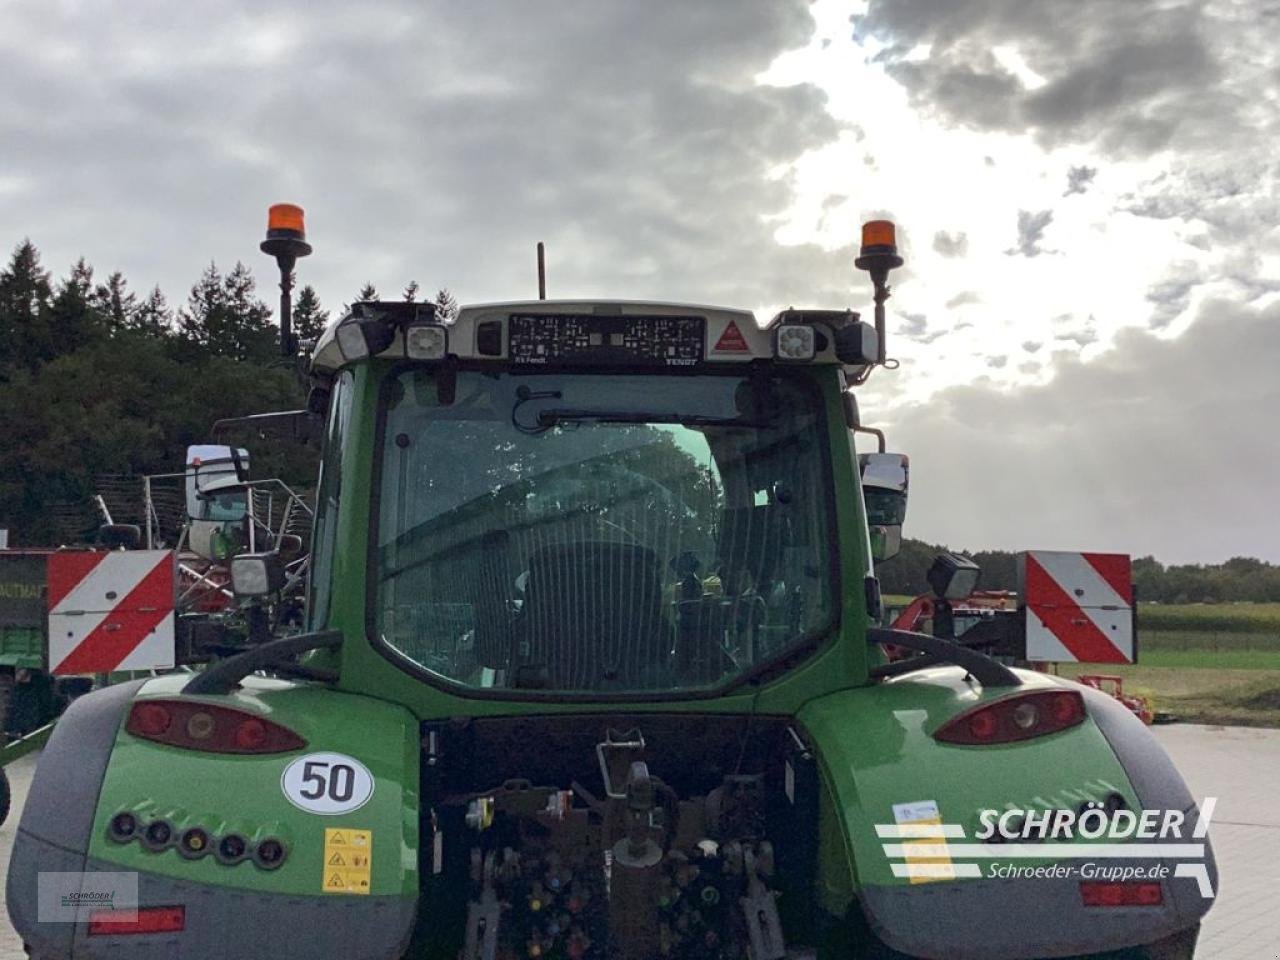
column 592, row 617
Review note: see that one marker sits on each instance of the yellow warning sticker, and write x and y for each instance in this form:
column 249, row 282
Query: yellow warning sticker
column 927, row 859
column 348, row 858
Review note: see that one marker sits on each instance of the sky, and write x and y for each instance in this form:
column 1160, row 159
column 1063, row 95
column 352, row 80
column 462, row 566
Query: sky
column 1087, row 328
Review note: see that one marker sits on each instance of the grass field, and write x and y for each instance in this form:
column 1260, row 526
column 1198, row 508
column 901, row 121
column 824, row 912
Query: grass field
column 1260, row 619
column 1203, row 663
column 1207, row 663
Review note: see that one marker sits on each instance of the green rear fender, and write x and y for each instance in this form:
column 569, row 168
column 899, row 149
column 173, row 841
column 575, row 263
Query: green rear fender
column 877, row 753
column 222, row 792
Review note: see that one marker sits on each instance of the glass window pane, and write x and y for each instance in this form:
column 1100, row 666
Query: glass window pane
column 602, row 533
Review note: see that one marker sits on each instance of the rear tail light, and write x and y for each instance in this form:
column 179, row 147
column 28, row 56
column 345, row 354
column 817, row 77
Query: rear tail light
column 201, row 726
column 1020, row 717
column 1096, row 893
column 123, row 827
column 158, row 835
column 194, row 843
column 269, row 853
column 117, row 923
column 232, row 849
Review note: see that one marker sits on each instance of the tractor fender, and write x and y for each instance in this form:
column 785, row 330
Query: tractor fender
column 57, row 819
column 93, row 768
column 1157, row 783
column 883, row 767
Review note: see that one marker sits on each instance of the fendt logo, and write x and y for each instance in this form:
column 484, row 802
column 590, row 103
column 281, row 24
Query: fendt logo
column 1101, row 844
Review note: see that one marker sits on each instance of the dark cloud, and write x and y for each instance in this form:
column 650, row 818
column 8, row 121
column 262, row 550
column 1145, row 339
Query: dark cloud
column 951, row 244
column 962, row 298
column 1170, row 299
column 1079, row 178
column 1031, row 346
column 916, row 324
column 978, row 88
column 997, row 362
column 434, row 141
column 1131, row 452
column 1031, row 228
column 1133, row 76
column 1081, row 338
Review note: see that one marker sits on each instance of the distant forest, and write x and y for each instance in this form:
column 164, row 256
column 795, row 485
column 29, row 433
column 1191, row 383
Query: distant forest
column 99, row 380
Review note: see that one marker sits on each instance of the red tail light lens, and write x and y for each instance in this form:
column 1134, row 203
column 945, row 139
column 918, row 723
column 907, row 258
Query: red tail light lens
column 202, row 726
column 1100, row 894
column 151, row 719
column 122, row 923
column 1020, row 717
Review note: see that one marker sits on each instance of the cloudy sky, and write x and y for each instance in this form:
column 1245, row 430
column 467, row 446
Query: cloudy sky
column 1088, row 326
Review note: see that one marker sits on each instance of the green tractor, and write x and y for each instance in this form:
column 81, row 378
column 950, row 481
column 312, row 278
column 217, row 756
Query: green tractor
column 591, row 669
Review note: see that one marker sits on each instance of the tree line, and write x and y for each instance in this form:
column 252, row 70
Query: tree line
column 1238, row 579
column 98, row 379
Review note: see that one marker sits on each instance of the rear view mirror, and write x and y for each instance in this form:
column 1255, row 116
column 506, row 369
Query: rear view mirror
column 886, row 542
column 885, row 479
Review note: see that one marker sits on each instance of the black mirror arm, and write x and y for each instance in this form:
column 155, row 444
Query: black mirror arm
column 225, row 675
column 236, row 461
column 988, row 672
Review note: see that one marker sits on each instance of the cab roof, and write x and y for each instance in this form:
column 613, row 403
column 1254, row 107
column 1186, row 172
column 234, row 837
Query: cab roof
column 483, row 331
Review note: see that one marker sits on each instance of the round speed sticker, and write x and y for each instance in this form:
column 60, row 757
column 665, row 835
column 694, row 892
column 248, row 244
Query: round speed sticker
column 327, row 783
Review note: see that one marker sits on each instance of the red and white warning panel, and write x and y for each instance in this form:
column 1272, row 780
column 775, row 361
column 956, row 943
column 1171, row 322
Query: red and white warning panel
column 1079, row 606
column 110, row 611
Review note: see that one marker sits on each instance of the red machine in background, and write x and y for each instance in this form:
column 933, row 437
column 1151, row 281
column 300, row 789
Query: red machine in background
column 1070, row 607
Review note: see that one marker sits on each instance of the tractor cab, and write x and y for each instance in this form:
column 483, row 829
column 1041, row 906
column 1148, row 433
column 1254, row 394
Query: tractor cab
column 594, row 497
column 217, row 501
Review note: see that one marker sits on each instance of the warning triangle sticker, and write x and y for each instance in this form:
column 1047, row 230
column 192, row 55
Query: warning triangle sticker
column 336, row 860
column 337, row 838
column 732, row 340
column 336, row 881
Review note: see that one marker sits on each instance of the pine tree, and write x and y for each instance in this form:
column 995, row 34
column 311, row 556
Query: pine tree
column 251, row 333
column 153, row 316
column 74, row 318
column 446, row 306
column 367, row 292
column 309, row 318
column 114, row 301
column 198, row 320
column 25, row 295
column 224, row 316
column 411, row 292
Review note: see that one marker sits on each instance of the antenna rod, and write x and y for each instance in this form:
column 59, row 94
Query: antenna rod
column 542, row 272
